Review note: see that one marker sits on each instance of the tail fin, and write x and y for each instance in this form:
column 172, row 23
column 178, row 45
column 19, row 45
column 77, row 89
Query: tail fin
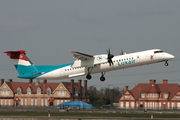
column 21, row 62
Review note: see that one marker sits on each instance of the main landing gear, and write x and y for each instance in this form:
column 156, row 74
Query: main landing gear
column 88, row 76
column 166, row 63
column 102, row 78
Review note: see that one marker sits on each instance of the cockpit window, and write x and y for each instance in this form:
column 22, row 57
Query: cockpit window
column 158, row 51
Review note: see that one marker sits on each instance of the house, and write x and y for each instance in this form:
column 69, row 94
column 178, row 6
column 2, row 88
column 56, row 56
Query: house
column 41, row 94
column 151, row 95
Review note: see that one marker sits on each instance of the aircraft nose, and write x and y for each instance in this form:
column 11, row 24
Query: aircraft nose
column 170, row 56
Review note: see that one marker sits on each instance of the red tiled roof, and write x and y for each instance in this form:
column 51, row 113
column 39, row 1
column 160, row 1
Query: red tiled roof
column 24, row 86
column 155, row 88
column 14, row 85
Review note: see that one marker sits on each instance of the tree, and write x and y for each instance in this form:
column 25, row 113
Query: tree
column 104, row 96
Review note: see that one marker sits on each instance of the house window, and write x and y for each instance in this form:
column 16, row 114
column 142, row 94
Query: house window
column 156, row 96
column 178, row 97
column 21, row 101
column 4, row 92
column 36, row 102
column 161, row 95
column 46, row 102
column 127, row 96
column 42, row 102
column 160, row 105
column 122, row 105
column 31, row 102
column 165, row 95
column 9, row 102
column 150, row 95
column 28, row 92
column 25, row 101
column 57, row 102
column 5, row 101
column 38, row 92
column 19, row 92
column 1, row 101
column 142, row 95
column 61, row 93
column 48, row 92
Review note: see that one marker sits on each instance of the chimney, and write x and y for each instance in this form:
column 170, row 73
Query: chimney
column 80, row 90
column 2, row 81
column 126, row 87
column 152, row 81
column 165, row 81
column 30, row 81
column 10, row 80
column 72, row 89
column 85, row 90
column 44, row 81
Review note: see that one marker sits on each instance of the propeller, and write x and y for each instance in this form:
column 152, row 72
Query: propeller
column 110, row 56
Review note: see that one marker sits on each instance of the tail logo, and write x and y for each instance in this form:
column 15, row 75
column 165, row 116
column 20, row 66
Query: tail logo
column 21, row 56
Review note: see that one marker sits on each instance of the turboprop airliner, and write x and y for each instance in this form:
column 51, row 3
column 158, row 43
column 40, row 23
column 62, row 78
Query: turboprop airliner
column 85, row 64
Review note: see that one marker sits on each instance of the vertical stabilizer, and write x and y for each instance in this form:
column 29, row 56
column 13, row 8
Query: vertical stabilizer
column 21, row 62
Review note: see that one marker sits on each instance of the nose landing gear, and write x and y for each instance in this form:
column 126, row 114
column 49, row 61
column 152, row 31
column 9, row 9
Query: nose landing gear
column 102, row 78
column 166, row 63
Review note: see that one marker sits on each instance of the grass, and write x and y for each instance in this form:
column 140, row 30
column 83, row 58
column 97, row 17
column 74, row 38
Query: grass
column 77, row 114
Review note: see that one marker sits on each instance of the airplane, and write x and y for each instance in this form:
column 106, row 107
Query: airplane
column 85, row 64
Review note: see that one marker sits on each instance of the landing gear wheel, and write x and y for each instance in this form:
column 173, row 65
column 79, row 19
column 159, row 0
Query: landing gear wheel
column 166, row 63
column 102, row 78
column 88, row 77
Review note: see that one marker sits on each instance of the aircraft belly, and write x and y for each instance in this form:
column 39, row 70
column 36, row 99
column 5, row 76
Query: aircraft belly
column 55, row 74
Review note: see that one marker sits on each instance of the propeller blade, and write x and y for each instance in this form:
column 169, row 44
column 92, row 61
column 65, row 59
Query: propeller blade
column 110, row 56
column 122, row 53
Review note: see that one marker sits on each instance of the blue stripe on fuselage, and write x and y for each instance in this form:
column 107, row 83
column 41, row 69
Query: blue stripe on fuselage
column 33, row 71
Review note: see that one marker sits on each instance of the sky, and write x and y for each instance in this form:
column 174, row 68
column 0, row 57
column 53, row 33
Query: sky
column 50, row 29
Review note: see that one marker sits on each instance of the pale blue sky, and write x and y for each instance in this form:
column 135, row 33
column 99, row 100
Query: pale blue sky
column 50, row 30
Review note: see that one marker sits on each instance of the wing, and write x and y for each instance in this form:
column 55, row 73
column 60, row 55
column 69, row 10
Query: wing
column 82, row 56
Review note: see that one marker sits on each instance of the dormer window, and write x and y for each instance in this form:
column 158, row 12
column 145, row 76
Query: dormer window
column 29, row 92
column 39, row 92
column 49, row 92
column 143, row 95
column 18, row 92
column 165, row 95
